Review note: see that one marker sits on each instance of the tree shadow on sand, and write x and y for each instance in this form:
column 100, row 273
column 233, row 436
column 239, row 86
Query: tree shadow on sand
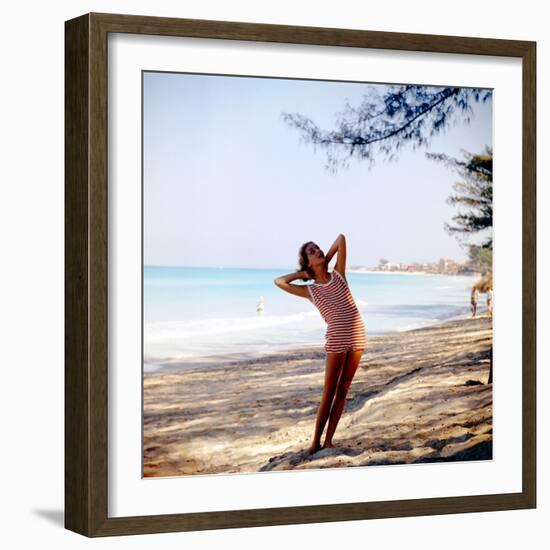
column 295, row 458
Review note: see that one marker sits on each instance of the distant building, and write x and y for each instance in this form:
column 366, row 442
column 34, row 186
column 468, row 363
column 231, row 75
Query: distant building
column 442, row 266
column 390, row 267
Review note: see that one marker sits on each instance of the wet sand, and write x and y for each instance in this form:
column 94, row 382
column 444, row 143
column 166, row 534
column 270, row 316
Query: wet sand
column 417, row 396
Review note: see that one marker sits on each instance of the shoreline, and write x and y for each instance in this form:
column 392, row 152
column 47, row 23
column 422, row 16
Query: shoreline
column 375, row 272
column 209, row 361
column 418, row 396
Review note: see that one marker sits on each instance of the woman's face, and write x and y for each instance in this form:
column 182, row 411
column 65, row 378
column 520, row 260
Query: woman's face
column 315, row 255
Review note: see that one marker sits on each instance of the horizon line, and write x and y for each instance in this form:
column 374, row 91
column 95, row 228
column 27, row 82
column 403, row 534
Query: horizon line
column 354, row 266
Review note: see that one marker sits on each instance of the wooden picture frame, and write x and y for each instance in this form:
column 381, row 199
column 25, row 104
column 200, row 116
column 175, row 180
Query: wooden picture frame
column 86, row 279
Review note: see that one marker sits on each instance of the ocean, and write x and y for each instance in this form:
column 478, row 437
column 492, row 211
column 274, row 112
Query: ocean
column 198, row 316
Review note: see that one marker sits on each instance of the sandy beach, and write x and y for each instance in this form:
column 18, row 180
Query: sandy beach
column 418, row 396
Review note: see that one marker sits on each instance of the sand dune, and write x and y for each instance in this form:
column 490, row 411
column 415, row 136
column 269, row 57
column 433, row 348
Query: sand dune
column 418, row 396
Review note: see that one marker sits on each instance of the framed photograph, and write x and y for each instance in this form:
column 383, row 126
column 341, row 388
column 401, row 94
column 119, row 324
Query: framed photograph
column 293, row 293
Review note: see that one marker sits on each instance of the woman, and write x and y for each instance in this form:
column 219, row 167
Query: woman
column 345, row 336
column 474, row 297
column 490, row 301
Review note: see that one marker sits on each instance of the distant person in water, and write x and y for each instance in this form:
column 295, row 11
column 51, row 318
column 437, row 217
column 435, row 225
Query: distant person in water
column 260, row 306
column 345, row 338
column 474, row 297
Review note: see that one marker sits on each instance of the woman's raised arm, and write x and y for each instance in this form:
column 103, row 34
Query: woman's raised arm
column 283, row 282
column 338, row 246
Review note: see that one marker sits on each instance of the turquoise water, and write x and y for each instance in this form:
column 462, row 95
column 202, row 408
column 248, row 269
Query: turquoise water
column 196, row 315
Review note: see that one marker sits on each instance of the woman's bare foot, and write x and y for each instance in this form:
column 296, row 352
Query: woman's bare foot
column 314, row 447
column 328, row 445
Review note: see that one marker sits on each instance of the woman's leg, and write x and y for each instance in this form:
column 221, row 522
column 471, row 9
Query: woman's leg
column 350, row 366
column 334, row 366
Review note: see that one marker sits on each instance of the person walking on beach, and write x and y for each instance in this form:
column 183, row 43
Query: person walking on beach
column 490, row 301
column 474, row 297
column 345, row 338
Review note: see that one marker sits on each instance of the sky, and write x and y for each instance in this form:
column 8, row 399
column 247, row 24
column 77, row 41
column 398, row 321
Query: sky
column 227, row 183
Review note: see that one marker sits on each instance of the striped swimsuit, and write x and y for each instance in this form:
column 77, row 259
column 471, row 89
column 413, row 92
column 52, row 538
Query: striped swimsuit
column 346, row 329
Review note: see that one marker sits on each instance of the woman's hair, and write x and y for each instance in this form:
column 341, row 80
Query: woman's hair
column 303, row 261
